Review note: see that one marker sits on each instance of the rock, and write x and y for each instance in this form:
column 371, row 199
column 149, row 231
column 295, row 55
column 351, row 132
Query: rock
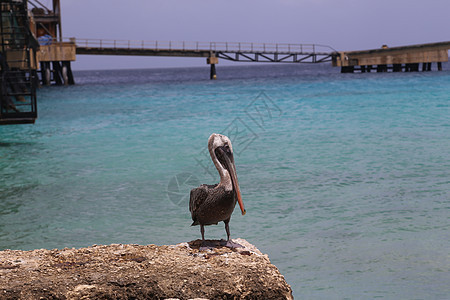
column 141, row 272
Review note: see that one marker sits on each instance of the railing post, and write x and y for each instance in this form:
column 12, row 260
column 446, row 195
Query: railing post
column 239, row 47
column 252, row 47
column 314, row 48
column 276, row 47
column 183, row 45
column 156, row 45
column 170, row 45
column 142, row 44
column 264, row 47
column 128, row 44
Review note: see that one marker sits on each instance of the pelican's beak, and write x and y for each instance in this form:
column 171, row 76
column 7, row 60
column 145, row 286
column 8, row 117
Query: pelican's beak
column 229, row 160
column 237, row 189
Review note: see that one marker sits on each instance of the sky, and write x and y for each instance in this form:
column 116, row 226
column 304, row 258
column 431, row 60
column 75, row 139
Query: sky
column 343, row 25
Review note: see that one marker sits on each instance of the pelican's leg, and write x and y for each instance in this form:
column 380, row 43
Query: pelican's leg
column 204, row 245
column 230, row 243
column 227, row 228
column 202, row 230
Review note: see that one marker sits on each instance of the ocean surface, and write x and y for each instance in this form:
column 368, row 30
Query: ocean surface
column 345, row 177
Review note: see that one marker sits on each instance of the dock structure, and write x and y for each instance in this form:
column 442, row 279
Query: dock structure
column 18, row 63
column 397, row 59
column 212, row 51
column 31, row 43
column 54, row 55
column 30, row 39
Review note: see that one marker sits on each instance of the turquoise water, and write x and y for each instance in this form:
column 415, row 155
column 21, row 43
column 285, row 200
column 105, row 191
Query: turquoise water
column 345, row 177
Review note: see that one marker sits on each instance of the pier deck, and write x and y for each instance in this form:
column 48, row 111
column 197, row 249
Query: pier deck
column 397, row 59
column 406, row 58
column 248, row 52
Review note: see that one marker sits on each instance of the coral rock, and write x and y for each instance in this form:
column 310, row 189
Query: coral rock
column 141, row 272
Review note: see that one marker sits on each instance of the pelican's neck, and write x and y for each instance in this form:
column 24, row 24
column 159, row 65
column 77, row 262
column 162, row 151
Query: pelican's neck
column 225, row 178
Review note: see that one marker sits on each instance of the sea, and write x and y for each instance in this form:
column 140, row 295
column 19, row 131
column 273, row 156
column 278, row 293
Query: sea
column 345, row 177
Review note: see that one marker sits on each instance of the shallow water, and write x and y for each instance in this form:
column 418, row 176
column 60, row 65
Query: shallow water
column 345, row 177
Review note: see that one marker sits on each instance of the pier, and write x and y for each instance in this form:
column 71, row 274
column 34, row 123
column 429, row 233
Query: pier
column 32, row 44
column 396, row 59
column 212, row 51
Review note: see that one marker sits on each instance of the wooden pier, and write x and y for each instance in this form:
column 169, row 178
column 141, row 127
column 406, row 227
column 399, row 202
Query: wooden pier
column 397, row 59
column 212, row 51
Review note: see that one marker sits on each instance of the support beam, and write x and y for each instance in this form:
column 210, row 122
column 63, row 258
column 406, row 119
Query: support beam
column 348, row 69
column 57, row 74
column 68, row 69
column 213, row 74
column 212, row 60
column 412, row 67
column 45, row 73
column 382, row 68
column 397, row 67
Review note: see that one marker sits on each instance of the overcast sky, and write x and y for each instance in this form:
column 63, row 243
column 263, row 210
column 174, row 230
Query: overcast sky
column 344, row 24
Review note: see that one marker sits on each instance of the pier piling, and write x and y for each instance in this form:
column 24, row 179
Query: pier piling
column 212, row 60
column 67, row 73
column 57, row 72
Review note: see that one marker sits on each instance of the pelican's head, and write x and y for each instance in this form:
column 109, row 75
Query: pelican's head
column 219, row 140
column 221, row 152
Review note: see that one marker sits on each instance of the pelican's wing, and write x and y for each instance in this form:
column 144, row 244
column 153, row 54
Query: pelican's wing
column 198, row 196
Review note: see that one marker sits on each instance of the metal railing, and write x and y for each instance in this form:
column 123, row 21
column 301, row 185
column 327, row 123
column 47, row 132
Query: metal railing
column 231, row 47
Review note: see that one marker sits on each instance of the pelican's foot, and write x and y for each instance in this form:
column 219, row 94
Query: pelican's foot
column 232, row 245
column 207, row 245
column 205, row 248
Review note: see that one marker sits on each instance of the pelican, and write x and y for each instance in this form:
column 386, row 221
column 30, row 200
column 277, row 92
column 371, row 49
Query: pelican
column 211, row 204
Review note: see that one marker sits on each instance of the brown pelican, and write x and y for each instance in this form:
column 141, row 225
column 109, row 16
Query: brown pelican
column 211, row 204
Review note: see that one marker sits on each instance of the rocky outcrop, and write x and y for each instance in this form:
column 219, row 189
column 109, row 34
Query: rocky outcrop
column 141, row 272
